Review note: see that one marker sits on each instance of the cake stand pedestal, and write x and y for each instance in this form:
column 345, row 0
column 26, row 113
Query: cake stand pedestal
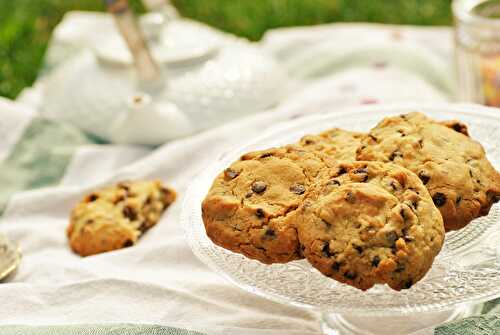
column 343, row 324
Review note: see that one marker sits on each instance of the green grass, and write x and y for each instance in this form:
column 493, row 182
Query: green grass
column 25, row 25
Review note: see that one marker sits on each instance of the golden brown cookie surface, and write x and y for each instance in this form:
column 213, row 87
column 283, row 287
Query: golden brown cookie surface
column 248, row 206
column 337, row 143
column 116, row 216
column 369, row 222
column 453, row 167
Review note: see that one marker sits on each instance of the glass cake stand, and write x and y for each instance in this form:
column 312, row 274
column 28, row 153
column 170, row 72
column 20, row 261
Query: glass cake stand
column 466, row 272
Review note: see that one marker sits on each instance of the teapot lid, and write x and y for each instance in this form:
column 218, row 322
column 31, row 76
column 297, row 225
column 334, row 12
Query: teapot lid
column 177, row 43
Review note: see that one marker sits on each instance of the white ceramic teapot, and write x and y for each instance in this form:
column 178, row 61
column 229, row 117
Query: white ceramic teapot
column 212, row 78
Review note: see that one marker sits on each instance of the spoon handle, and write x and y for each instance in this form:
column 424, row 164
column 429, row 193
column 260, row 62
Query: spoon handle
column 148, row 71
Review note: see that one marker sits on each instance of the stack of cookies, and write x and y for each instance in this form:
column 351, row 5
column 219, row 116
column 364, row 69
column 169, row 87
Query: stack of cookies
column 363, row 209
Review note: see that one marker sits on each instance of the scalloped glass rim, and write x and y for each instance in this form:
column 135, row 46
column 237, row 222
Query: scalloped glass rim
column 450, row 283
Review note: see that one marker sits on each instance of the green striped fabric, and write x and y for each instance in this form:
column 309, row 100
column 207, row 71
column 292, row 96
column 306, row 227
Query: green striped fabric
column 93, row 329
column 485, row 324
column 39, row 158
column 476, row 325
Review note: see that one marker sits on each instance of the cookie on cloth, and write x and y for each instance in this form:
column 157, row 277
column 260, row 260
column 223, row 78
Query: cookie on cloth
column 249, row 203
column 453, row 166
column 337, row 143
column 116, row 216
column 370, row 223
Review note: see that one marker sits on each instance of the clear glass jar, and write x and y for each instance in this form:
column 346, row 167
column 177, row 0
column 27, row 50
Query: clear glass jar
column 477, row 36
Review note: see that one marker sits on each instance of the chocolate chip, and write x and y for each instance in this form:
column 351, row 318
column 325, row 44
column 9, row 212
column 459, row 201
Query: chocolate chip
column 349, row 197
column 392, row 237
column 408, row 239
column 148, row 200
column 326, row 250
column 424, row 177
column 92, row 197
column 402, row 213
column 165, row 191
column 341, row 171
column 459, row 127
column 259, row 187
column 357, row 248
column 336, row 266
column 230, row 173
column 400, row 268
column 403, row 116
column 327, row 224
column 270, row 233
column 246, row 157
column 298, row 189
column 129, row 213
column 470, row 174
column 333, row 182
column 375, row 261
column 439, row 199
column 403, row 183
column 395, row 153
column 128, row 243
column 248, row 195
column 267, row 154
column 401, row 132
column 458, row 200
column 393, row 185
column 362, row 171
column 308, row 142
column 408, row 283
column 143, row 227
column 260, row 213
column 301, row 250
column 373, row 137
column 350, row 275
column 90, row 221
column 124, row 186
column 421, row 143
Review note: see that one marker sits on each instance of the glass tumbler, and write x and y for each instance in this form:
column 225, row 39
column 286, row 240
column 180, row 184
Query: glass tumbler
column 477, row 37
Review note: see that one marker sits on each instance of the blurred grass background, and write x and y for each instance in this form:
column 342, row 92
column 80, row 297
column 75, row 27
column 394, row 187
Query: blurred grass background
column 25, row 25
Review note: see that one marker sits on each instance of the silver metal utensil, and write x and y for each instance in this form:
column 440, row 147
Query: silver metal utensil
column 10, row 257
column 149, row 73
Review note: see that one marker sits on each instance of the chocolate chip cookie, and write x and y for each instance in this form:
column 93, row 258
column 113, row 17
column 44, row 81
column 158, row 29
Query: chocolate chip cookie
column 368, row 223
column 454, row 168
column 337, row 143
column 116, row 216
column 249, row 203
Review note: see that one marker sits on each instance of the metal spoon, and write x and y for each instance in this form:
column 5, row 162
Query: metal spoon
column 149, row 73
column 10, row 257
